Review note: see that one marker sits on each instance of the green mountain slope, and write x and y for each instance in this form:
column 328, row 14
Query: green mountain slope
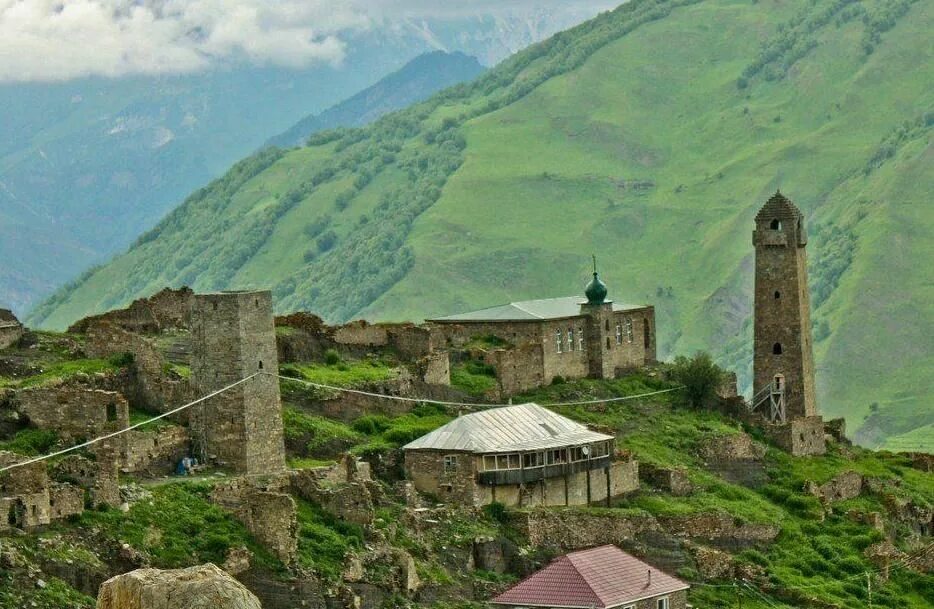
column 650, row 136
column 418, row 79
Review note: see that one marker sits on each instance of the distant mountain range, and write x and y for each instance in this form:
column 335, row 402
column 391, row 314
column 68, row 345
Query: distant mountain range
column 415, row 81
column 87, row 165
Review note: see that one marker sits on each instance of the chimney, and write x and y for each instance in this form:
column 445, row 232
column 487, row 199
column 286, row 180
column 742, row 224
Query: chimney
column 649, row 583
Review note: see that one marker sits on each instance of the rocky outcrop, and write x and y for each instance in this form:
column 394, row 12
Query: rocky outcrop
column 201, row 587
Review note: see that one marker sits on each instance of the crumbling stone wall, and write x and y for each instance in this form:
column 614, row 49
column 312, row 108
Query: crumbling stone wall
column 847, row 485
column 673, row 480
column 155, row 452
column 11, row 330
column 74, row 412
column 801, row 437
column 342, row 490
column 167, row 309
column 435, row 368
column 65, row 500
column 152, row 389
column 100, row 476
column 266, row 509
column 24, row 494
column 569, row 529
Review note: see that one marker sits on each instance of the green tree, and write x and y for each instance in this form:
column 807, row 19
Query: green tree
column 700, row 376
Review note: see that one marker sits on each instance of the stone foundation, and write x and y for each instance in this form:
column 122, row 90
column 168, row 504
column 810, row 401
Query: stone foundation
column 155, row 452
column 672, row 480
column 801, row 437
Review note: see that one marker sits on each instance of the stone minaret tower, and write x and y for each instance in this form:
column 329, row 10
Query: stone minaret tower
column 782, row 352
column 233, row 336
column 599, row 327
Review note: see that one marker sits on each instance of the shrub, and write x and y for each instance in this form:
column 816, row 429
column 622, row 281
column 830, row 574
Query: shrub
column 496, row 511
column 700, row 376
column 332, row 357
column 372, row 424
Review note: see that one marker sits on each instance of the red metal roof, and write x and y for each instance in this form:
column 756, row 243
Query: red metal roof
column 601, row 578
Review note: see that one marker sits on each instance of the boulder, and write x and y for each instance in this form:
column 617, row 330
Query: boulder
column 201, row 587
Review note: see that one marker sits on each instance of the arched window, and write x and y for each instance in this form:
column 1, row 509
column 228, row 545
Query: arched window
column 776, row 224
column 557, row 341
column 619, row 333
column 777, row 349
column 570, row 339
column 777, row 294
column 580, row 338
column 260, row 364
column 607, row 325
column 607, row 342
column 629, row 335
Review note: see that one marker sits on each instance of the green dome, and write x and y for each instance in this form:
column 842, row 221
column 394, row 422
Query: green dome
column 595, row 290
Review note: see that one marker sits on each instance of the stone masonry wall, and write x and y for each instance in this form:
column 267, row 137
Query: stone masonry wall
column 589, row 487
column 74, row 412
column 167, row 309
column 153, row 389
column 801, row 436
column 24, row 494
column 10, row 329
column 267, row 511
column 518, row 369
column 425, row 468
column 155, row 452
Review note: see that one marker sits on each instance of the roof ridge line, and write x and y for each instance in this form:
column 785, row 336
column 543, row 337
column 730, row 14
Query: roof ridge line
column 516, row 305
column 586, row 581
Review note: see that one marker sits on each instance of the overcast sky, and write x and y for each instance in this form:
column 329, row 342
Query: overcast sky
column 47, row 40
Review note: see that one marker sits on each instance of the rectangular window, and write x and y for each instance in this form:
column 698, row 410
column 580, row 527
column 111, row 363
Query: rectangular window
column 577, row 454
column 629, row 329
column 580, row 338
column 513, row 461
column 661, row 603
column 533, row 460
column 558, row 341
column 450, row 463
column 502, row 462
column 489, row 462
column 619, row 333
column 570, row 339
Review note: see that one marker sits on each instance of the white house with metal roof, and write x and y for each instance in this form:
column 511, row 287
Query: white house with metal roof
column 521, row 455
column 571, row 337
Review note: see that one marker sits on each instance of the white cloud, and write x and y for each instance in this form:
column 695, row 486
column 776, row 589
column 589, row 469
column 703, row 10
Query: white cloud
column 49, row 40
column 56, row 40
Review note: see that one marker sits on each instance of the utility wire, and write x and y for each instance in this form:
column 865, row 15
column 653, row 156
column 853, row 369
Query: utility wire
column 468, row 404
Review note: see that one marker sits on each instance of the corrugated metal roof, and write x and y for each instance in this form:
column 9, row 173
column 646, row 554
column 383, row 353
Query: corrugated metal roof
column 530, row 310
column 599, row 578
column 507, row 429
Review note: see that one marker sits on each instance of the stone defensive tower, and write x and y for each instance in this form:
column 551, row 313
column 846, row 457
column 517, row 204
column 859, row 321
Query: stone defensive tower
column 233, row 336
column 783, row 361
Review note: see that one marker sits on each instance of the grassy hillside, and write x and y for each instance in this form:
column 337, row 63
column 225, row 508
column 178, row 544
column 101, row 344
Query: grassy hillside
column 650, row 136
column 415, row 81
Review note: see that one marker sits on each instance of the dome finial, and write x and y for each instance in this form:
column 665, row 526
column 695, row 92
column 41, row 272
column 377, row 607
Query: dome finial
column 596, row 289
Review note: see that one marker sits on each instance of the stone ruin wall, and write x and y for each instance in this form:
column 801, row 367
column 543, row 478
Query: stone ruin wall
column 154, row 452
column 167, row 309
column 24, row 494
column 151, row 389
column 266, row 509
column 803, row 436
column 10, row 329
column 566, row 530
column 74, row 412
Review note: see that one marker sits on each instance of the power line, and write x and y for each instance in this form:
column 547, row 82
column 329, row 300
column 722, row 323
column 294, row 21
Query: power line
column 467, row 404
column 131, row 427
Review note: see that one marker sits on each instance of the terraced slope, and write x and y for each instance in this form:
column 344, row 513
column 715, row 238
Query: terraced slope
column 650, row 136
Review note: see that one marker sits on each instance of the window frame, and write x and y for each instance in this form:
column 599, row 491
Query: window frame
column 558, row 341
column 580, row 338
column 630, row 335
column 570, row 340
column 450, row 464
column 662, row 603
column 619, row 333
